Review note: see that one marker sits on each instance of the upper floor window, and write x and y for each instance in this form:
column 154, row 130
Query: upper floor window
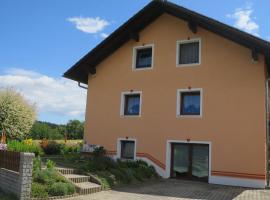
column 188, row 52
column 189, row 102
column 131, row 104
column 143, row 57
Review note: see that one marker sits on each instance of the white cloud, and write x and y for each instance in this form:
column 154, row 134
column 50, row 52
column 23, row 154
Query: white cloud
column 53, row 95
column 104, row 35
column 89, row 24
column 244, row 20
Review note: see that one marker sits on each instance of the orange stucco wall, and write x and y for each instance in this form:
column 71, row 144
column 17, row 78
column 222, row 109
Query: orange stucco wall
column 233, row 117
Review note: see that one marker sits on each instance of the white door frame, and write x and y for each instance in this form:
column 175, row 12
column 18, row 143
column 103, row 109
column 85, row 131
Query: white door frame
column 169, row 153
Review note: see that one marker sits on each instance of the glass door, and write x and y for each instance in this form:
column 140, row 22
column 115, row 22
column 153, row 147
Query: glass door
column 190, row 161
column 180, row 160
column 200, row 161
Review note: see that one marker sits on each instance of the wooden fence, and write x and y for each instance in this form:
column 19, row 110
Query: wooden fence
column 10, row 160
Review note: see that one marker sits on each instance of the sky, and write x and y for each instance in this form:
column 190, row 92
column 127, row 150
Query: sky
column 41, row 39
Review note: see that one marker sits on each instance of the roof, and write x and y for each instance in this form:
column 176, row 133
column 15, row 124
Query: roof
column 79, row 72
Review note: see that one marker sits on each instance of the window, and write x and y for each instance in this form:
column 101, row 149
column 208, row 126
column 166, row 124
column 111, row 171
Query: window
column 188, row 52
column 143, row 57
column 189, row 103
column 131, row 104
column 127, row 149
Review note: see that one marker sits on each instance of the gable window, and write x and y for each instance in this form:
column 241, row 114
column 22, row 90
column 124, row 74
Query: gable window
column 131, row 104
column 188, row 52
column 143, row 57
column 189, row 102
column 127, row 149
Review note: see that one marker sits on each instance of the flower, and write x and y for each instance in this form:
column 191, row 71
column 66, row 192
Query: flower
column 28, row 141
column 3, row 147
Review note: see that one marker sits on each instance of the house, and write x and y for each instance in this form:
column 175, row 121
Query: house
column 183, row 92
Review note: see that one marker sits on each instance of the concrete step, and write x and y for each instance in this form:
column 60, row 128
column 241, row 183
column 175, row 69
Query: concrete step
column 76, row 178
column 87, row 188
column 83, row 184
column 66, row 170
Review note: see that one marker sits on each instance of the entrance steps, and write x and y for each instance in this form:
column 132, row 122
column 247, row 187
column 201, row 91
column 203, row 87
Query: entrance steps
column 83, row 184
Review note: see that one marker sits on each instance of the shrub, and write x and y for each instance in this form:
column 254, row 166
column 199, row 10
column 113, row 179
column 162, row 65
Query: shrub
column 66, row 149
column 107, row 178
column 44, row 176
column 70, row 188
column 100, row 164
column 50, row 164
column 99, row 152
column 58, row 189
column 39, row 191
column 14, row 145
column 37, row 163
column 17, row 115
column 53, row 148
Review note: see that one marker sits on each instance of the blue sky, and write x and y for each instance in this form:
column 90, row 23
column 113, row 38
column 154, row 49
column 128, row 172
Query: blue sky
column 40, row 40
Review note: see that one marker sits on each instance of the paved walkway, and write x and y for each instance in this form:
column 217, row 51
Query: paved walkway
column 181, row 190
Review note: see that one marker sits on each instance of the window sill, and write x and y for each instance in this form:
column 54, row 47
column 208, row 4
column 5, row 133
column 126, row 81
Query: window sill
column 142, row 69
column 188, row 65
column 130, row 116
column 188, row 116
column 127, row 159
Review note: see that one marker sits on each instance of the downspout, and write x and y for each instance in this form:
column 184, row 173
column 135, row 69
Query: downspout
column 267, row 129
column 86, row 88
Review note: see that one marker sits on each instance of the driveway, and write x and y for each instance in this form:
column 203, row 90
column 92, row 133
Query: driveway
column 176, row 189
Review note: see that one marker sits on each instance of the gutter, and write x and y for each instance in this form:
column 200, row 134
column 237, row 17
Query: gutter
column 81, row 86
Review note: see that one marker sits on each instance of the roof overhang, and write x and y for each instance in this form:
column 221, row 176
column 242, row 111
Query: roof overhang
column 130, row 30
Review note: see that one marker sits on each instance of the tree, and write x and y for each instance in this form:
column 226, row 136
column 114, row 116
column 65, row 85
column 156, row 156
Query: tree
column 16, row 114
column 47, row 130
column 75, row 129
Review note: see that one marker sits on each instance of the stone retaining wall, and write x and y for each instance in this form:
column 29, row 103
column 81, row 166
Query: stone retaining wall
column 19, row 183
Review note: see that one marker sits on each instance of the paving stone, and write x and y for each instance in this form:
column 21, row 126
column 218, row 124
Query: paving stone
column 178, row 190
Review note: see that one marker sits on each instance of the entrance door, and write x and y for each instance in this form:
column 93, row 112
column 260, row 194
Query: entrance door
column 190, row 161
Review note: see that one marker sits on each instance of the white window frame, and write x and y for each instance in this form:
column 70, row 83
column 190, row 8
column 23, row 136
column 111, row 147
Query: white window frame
column 178, row 102
column 119, row 140
column 178, row 43
column 134, row 57
column 122, row 104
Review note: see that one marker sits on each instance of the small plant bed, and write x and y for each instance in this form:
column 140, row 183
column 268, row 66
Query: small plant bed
column 111, row 173
column 48, row 182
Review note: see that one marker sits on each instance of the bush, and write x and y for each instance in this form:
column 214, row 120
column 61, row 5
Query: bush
column 100, row 164
column 108, row 179
column 39, row 191
column 61, row 189
column 66, row 149
column 44, row 176
column 50, row 164
column 53, row 148
column 14, row 145
column 53, row 183
column 37, row 163
column 17, row 115
column 70, row 188
column 99, row 152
